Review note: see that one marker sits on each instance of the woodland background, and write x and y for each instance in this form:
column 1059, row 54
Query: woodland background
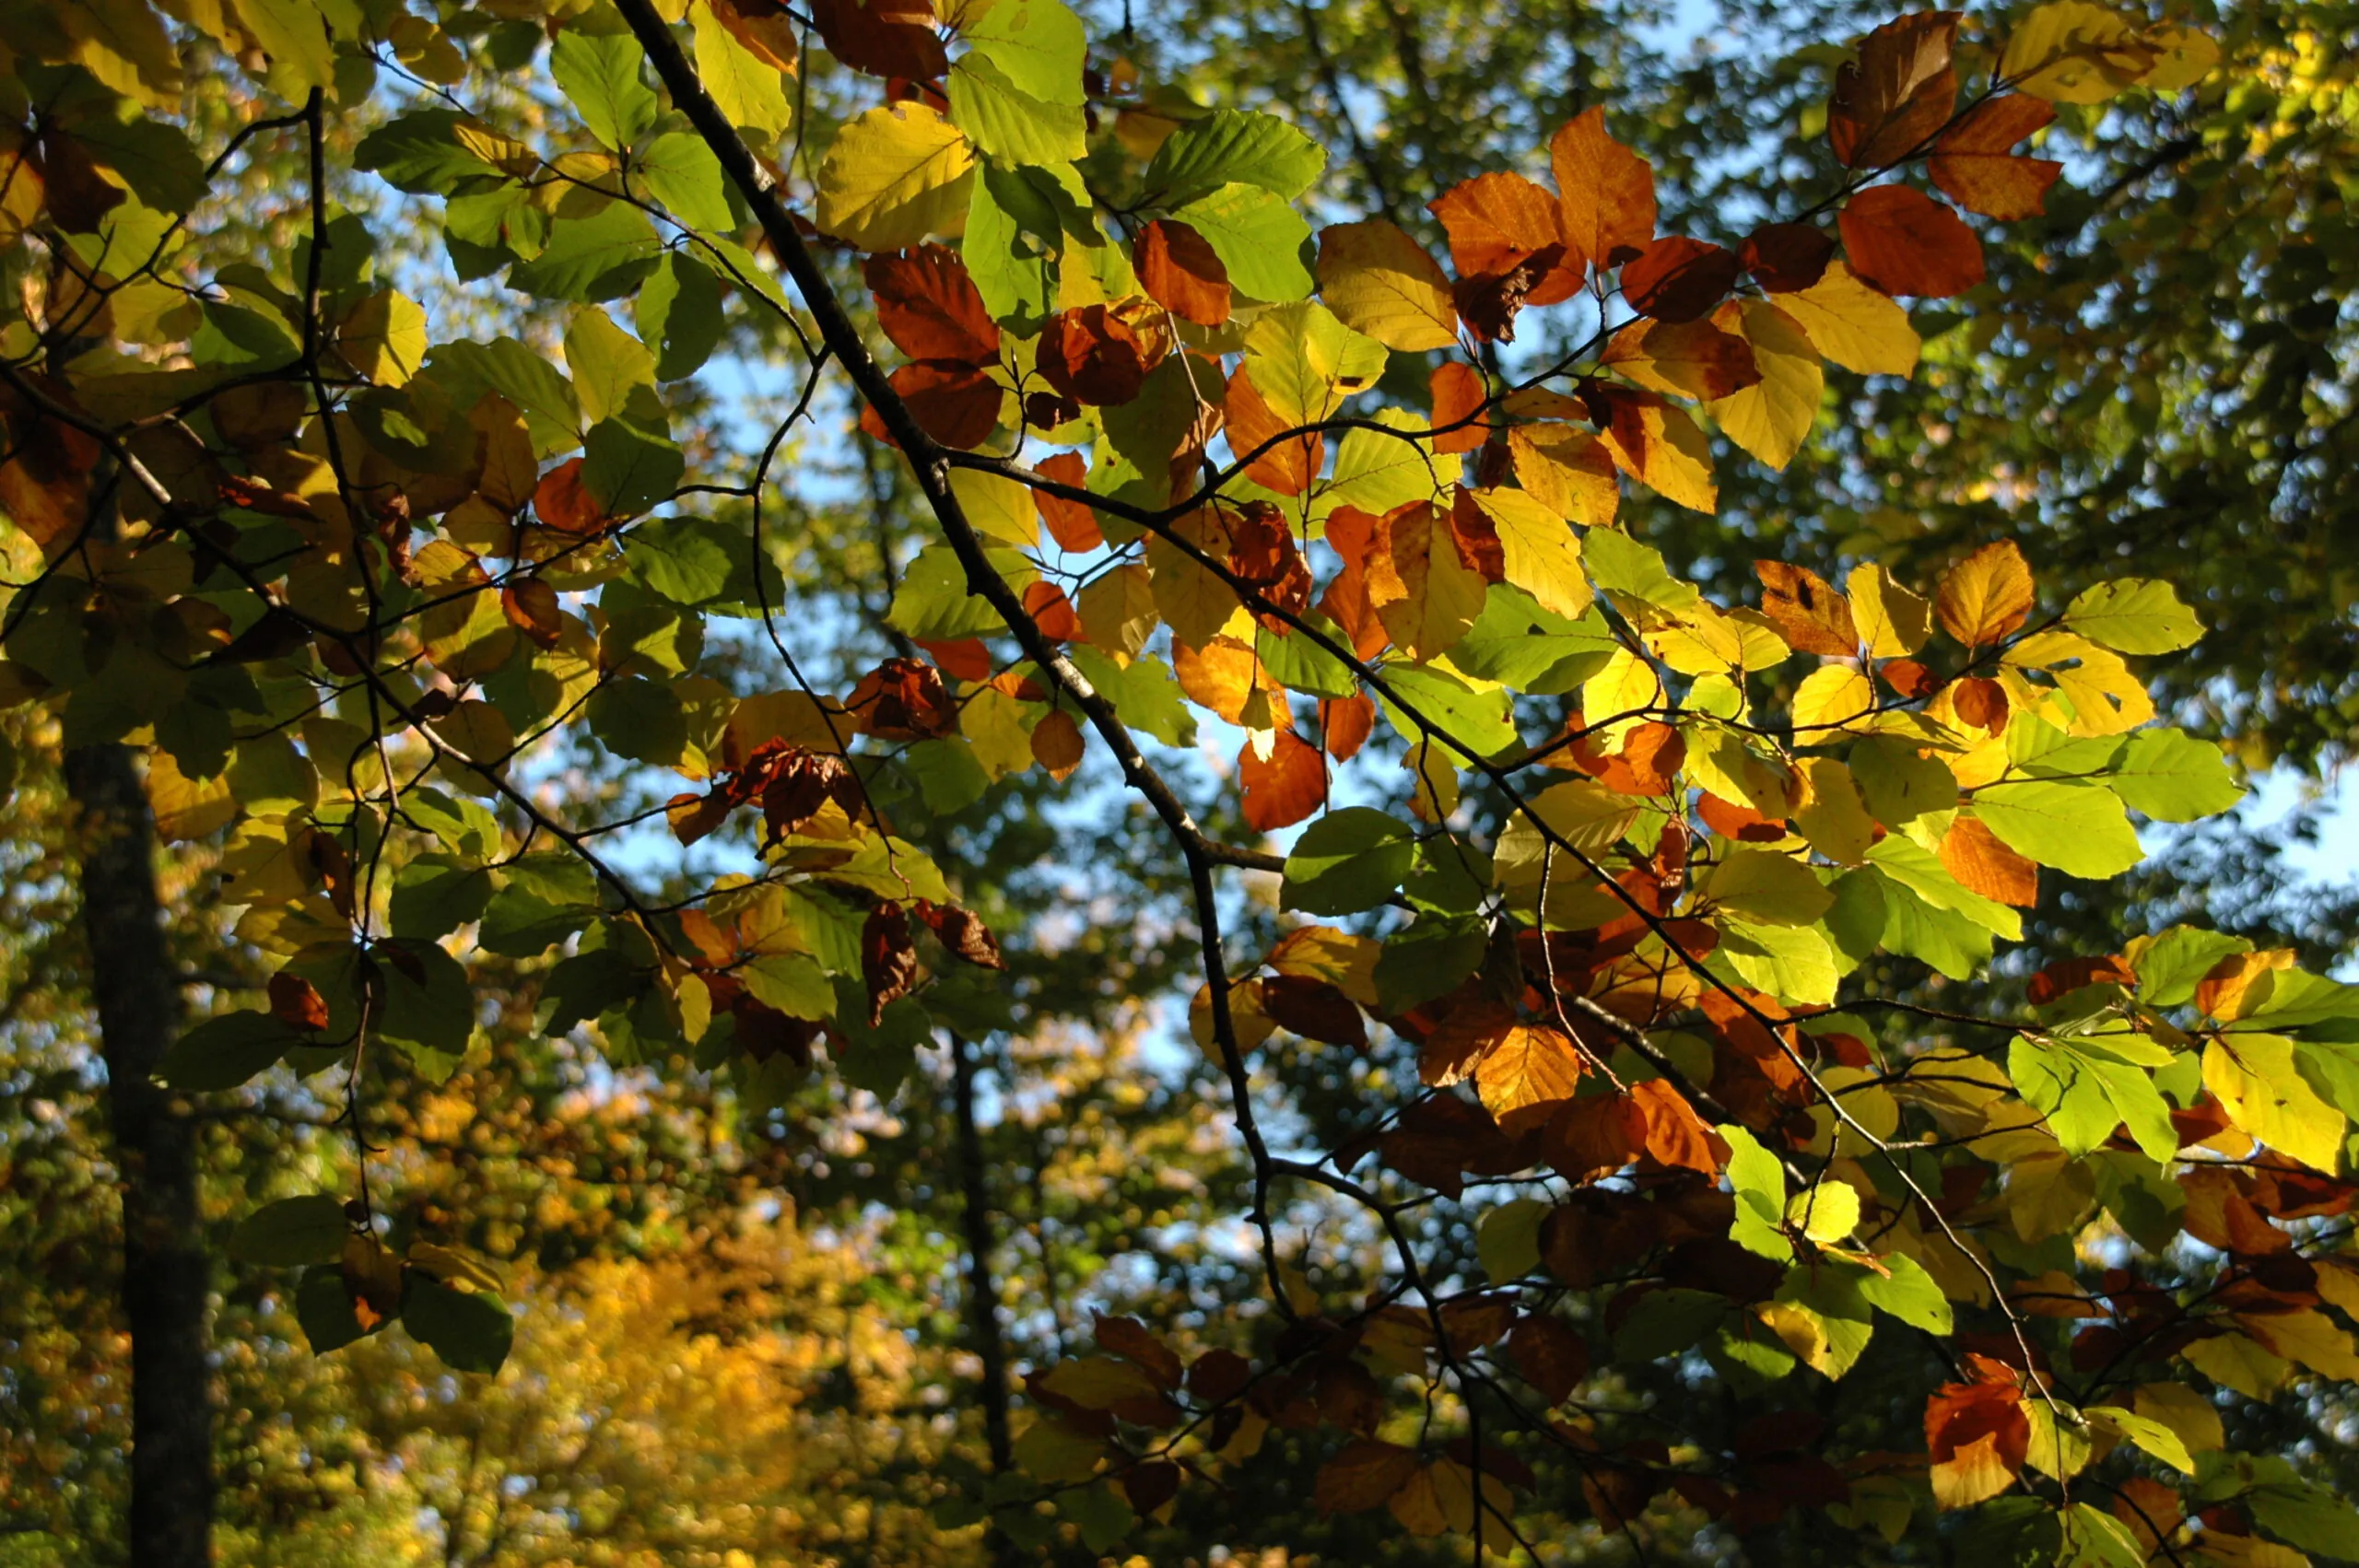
column 747, row 1330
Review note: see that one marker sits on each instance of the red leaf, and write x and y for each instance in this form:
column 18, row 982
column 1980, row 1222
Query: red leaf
column 930, row 308
column 1095, row 357
column 296, row 1003
column 1975, row 167
column 1346, row 722
column 1786, row 258
column 951, row 401
column 1284, row 787
column 1903, row 241
column 965, row 659
column 903, row 700
column 888, row 38
column 1181, row 271
column 1678, row 279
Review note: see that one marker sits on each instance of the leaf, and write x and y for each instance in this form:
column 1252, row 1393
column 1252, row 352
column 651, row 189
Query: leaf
column 1506, row 1244
column 1771, row 417
column 2152, row 1435
column 1498, row 223
column 222, row 1053
column 2073, row 51
column 1568, row 470
column 1347, row 862
column 2133, row 616
column 1679, row 279
column 1038, row 44
column 2085, row 1093
column 1759, row 1182
column 599, row 74
column 1910, row 1294
column 1283, row 782
column 1525, row 1075
column 748, row 89
column 1899, row 91
column 2173, row 777
column 893, row 176
column 293, row 33
column 1009, row 124
column 1181, row 271
column 383, row 337
column 1825, row 1213
column 1231, row 146
column 1659, row 446
column 1258, row 237
column 681, row 172
column 602, row 256
column 1538, row 551
column 1903, row 241
column 2262, row 1091
column 1684, row 358
column 1768, row 887
column 679, row 315
column 1986, row 596
column 1366, row 1474
column 471, row 1330
column 1812, row 617
column 1853, row 325
column 291, row 1232
column 1420, row 588
column 1381, row 282
column 1607, row 192
column 1974, row 164
column 2079, row 829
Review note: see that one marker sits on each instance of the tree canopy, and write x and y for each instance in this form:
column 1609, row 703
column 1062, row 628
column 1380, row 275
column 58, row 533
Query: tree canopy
column 946, row 782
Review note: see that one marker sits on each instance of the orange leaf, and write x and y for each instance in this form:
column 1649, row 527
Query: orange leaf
column 1071, row 524
column 1284, row 786
column 1181, row 271
column 1978, row 1436
column 1983, row 864
column 1596, row 1136
column 1220, row 676
column 1526, row 1076
column 1048, row 606
column 951, row 401
column 1285, row 469
column 1812, row 615
column 1898, row 92
column 296, row 1003
column 1607, row 192
column 1497, row 221
column 1903, row 241
column 530, row 605
column 1057, row 745
column 1676, row 1136
column 1981, row 703
column 929, row 307
column 1346, row 722
column 1457, row 391
column 1975, row 167
column 1984, row 596
column 1684, row 358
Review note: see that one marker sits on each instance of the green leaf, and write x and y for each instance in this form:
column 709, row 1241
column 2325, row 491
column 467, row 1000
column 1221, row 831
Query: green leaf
column 688, row 560
column 682, row 172
column 2133, row 616
column 1765, row 886
column 1100, row 1512
column 1038, row 45
column 627, row 468
column 546, row 399
column 292, row 1231
column 1897, row 784
column 2095, row 1538
column 2173, row 777
column 224, row 1052
column 932, row 603
column 602, row 256
column 420, row 153
column 428, row 1005
column 1759, row 1184
column 600, row 74
column 1009, row 124
column 1794, row 963
column 1234, row 145
column 792, row 982
column 1909, row 1294
column 1432, row 958
column 1145, row 696
column 2307, row 1515
column 678, row 313
column 471, row 1330
column 1630, row 570
column 323, row 1309
column 1347, row 862
column 1533, row 650
column 1299, row 664
column 611, row 370
column 1263, row 242
column 1480, row 723
column 2081, row 830
column 1014, row 235
column 1508, row 1243
column 2085, row 1092
column 640, row 720
column 435, row 895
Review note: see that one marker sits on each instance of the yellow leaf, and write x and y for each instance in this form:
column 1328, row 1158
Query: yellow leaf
column 893, row 176
column 1832, row 697
column 1118, row 610
column 2072, row 52
column 1541, row 555
column 1705, row 640
column 1984, row 596
column 1825, row 1213
column 294, row 34
column 1322, row 952
column 123, row 44
column 1620, row 694
column 1891, row 620
column 2059, row 1447
column 1772, row 417
column 747, row 88
column 1768, row 887
column 997, row 507
column 1853, row 325
column 1974, row 1474
column 797, row 718
column 384, row 338
column 1526, row 1076
column 2182, row 58
column 1662, row 448
column 1052, row 1451
column 1566, row 469
column 1247, row 1020
column 2265, row 1093
column 1381, row 282
column 2107, row 698
column 2309, row 1337
column 2195, row 1419
column 1835, row 819
column 1423, row 591
column 185, row 807
column 2234, row 1362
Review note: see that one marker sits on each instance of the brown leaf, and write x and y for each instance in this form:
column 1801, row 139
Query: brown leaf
column 1364, row 1475
column 1149, row 1486
column 1811, row 614
column 1551, row 1354
column 1594, row 1137
column 929, row 307
column 1458, row 393
column 1219, row 1376
column 903, row 700
column 1974, row 165
column 1902, row 241
column 1692, row 360
column 1786, row 258
column 1607, row 192
column 1094, row 356
column 1284, row 786
column 1057, row 745
column 1983, row 864
column 560, row 501
column 1314, row 1009
column 529, row 605
column 1896, row 94
column 1181, row 271
column 1130, row 1339
column 1496, row 222
column 1489, row 302
column 951, row 399
column 889, row 958
column 1678, row 279
column 296, row 1003
column 1346, row 723
column 963, row 932
column 883, row 38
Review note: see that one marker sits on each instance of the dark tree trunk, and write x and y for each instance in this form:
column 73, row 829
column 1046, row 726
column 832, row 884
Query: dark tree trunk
column 165, row 1273
column 982, row 1289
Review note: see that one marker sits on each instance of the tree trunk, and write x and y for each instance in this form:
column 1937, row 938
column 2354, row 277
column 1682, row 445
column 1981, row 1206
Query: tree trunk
column 166, row 1273
column 982, row 1289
